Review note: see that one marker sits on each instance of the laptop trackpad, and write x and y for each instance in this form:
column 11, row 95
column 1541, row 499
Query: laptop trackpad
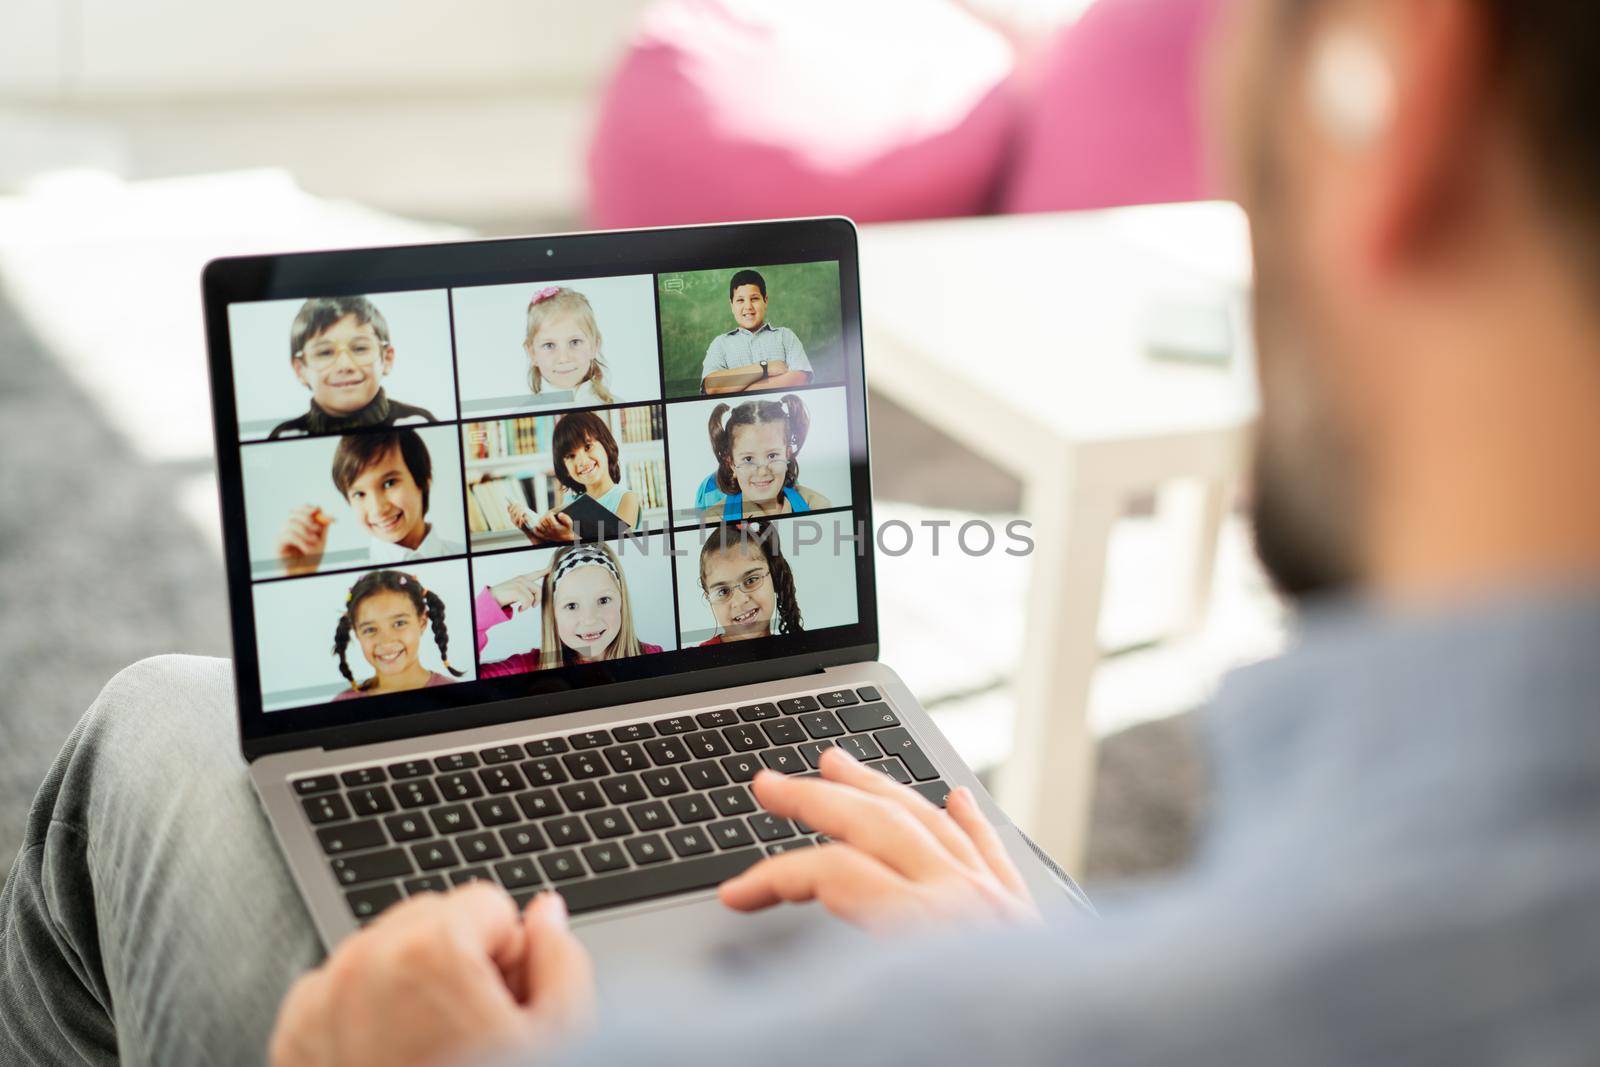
column 703, row 939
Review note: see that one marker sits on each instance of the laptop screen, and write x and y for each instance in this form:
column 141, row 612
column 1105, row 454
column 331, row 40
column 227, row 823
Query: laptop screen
column 481, row 472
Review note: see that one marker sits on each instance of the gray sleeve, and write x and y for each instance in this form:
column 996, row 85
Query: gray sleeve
column 794, row 353
column 716, row 357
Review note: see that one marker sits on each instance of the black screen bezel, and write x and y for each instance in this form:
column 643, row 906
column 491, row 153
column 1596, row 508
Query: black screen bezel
column 507, row 260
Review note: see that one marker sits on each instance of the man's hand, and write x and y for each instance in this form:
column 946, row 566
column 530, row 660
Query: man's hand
column 438, row 979
column 303, row 540
column 896, row 860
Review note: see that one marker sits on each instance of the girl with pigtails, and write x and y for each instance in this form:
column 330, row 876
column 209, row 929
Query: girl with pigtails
column 747, row 583
column 758, row 465
column 387, row 611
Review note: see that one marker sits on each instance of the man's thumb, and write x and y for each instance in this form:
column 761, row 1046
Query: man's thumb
column 560, row 974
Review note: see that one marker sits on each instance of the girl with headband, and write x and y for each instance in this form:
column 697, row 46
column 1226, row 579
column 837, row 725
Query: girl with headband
column 585, row 615
column 387, row 612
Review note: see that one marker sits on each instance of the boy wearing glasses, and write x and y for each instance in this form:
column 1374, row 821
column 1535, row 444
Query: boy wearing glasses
column 339, row 348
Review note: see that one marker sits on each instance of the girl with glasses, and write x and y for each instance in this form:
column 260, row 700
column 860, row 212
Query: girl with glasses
column 747, row 583
column 758, row 465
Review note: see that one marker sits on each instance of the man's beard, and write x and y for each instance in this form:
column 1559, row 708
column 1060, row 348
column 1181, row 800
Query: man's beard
column 1304, row 504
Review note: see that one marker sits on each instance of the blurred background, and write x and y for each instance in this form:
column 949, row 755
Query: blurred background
column 138, row 141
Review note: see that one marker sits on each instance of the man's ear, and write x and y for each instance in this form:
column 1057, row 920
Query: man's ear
column 299, row 368
column 1402, row 99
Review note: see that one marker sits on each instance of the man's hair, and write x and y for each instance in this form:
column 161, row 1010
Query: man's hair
column 359, row 451
column 321, row 312
column 747, row 277
column 575, row 431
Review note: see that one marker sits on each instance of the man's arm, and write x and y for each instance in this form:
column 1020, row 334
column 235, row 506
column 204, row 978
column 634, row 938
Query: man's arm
column 739, row 379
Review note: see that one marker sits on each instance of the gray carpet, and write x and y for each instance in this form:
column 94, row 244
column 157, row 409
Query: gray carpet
column 98, row 569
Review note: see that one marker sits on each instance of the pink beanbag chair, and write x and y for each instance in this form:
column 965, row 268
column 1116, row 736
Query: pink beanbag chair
column 1114, row 116
column 879, row 109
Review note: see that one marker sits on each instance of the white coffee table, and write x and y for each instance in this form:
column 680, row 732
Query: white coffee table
column 1028, row 338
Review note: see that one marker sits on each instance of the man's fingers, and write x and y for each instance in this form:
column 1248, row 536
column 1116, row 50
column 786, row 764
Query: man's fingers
column 560, row 974
column 301, row 1015
column 964, row 810
column 846, row 881
column 837, row 765
column 878, row 827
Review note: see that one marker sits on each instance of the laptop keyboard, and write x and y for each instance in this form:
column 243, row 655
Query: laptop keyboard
column 605, row 817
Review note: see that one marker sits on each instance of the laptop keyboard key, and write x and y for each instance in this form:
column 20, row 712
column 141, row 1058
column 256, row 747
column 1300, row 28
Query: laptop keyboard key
column 428, row 883
column 624, row 789
column 839, row 698
column 538, row 803
column 625, row 758
column 707, row 744
column 725, row 717
column 754, row 712
column 567, row 830
column 745, row 738
column 330, row 808
column 500, row 754
column 868, row 692
column 868, row 717
column 655, row 881
column 523, row 839
column 692, row 808
column 310, row 787
column 778, row 848
column 476, row 848
column 664, row 783
column 634, row 731
column 559, row 866
column 546, row 770
column 373, row 800
column 411, row 768
column 785, row 760
column 351, row 836
column 404, row 827
column 462, row 786
column 706, row 775
column 363, row 776
column 741, row 768
column 667, row 750
column 899, row 743
column 453, row 819
column 893, row 768
column 609, row 823
column 862, row 747
column 689, row 841
column 734, row 800
column 798, row 705
column 455, row 761
column 590, row 739
column 371, row 866
column 545, row 746
column 367, row 903
column 500, row 779
column 582, row 796
column 470, row 874
column 647, row 849
column 730, row 833
column 517, row 873
column 678, row 724
column 821, row 724
column 812, row 751
column 651, row 816
column 937, row 792
column 607, row 856
column 582, row 765
column 495, row 811
column 783, row 731
column 769, row 827
column 435, row 855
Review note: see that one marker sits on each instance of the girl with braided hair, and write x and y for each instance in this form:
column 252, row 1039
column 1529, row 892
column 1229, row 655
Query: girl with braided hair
column 757, row 452
column 583, row 606
column 387, row 612
column 747, row 583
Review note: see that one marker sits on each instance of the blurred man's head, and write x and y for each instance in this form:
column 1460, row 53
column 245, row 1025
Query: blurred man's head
column 1423, row 178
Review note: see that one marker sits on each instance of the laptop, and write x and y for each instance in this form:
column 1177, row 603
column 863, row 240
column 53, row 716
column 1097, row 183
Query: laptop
column 430, row 693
